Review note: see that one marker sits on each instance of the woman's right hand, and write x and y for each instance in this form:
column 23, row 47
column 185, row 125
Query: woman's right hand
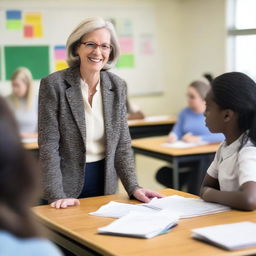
column 171, row 138
column 64, row 203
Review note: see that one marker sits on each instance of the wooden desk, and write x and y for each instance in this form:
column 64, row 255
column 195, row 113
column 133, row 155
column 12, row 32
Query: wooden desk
column 31, row 146
column 74, row 229
column 152, row 147
column 151, row 126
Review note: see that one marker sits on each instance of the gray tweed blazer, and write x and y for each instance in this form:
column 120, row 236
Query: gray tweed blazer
column 62, row 135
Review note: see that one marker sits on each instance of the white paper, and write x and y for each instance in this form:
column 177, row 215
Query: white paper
column 139, row 224
column 117, row 210
column 182, row 144
column 157, row 118
column 29, row 140
column 229, row 236
column 186, row 207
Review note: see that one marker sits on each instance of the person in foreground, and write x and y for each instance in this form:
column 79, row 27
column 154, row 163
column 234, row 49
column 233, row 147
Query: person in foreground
column 19, row 234
column 84, row 139
column 231, row 110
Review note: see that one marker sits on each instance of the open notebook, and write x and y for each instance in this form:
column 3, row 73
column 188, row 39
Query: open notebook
column 182, row 144
column 182, row 206
column 228, row 236
column 142, row 225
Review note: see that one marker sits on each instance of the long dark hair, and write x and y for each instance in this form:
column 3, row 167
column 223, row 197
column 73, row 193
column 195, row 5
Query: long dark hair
column 18, row 179
column 237, row 91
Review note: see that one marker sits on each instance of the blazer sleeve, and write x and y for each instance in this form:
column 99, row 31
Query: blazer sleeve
column 48, row 140
column 124, row 158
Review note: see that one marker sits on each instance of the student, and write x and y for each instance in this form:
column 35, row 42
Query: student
column 19, row 235
column 231, row 110
column 133, row 112
column 190, row 127
column 23, row 102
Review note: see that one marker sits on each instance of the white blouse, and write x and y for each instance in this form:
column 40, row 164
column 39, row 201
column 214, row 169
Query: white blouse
column 95, row 131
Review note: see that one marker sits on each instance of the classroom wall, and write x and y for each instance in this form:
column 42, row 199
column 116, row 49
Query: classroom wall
column 191, row 39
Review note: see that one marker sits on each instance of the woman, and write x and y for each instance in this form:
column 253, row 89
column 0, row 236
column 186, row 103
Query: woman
column 190, row 127
column 84, row 138
column 19, row 235
column 23, row 102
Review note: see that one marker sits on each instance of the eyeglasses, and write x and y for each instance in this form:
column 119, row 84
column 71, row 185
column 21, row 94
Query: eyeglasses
column 94, row 46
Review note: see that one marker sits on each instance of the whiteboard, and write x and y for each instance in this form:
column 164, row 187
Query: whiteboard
column 60, row 20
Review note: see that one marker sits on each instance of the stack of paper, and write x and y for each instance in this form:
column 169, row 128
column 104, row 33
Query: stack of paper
column 182, row 144
column 229, row 236
column 143, row 225
column 184, row 207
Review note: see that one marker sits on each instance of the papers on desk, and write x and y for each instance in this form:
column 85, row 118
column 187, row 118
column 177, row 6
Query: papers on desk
column 29, row 140
column 157, row 118
column 140, row 224
column 184, row 207
column 229, row 236
column 182, row 144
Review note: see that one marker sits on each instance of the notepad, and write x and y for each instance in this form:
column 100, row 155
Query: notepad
column 182, row 144
column 182, row 206
column 142, row 225
column 229, row 236
column 29, row 140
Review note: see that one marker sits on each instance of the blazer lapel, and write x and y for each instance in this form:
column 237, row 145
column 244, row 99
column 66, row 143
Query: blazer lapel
column 75, row 100
column 108, row 101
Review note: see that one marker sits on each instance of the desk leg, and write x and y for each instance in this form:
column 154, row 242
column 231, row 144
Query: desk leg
column 175, row 173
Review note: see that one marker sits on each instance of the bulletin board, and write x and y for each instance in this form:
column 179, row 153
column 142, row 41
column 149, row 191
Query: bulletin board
column 35, row 36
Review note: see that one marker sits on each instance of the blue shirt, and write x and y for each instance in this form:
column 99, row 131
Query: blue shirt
column 194, row 123
column 13, row 246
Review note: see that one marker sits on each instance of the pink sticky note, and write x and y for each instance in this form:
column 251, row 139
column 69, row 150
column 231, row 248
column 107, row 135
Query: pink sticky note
column 60, row 54
column 28, row 31
column 126, row 44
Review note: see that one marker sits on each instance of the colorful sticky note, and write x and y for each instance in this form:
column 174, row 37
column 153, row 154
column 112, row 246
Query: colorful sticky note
column 38, row 29
column 126, row 44
column 33, row 18
column 28, row 31
column 60, row 52
column 124, row 27
column 126, row 61
column 60, row 64
column 13, row 15
column 146, row 44
column 13, row 24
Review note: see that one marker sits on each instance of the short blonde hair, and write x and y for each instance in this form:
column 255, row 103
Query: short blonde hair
column 85, row 27
column 25, row 76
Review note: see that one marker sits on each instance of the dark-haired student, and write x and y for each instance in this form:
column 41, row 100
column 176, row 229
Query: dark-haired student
column 231, row 110
column 190, row 127
column 19, row 235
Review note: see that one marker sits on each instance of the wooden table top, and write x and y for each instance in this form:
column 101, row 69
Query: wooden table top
column 76, row 223
column 154, row 144
column 152, row 121
column 31, row 146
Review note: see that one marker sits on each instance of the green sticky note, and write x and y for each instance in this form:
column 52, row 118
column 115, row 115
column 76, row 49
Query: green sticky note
column 13, row 24
column 126, row 61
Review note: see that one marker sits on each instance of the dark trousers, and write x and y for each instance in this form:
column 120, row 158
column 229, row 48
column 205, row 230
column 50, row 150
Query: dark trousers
column 94, row 179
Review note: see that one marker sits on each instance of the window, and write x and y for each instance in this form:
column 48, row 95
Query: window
column 242, row 36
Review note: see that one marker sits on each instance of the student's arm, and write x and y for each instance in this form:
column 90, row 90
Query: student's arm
column 244, row 199
column 177, row 129
column 213, row 137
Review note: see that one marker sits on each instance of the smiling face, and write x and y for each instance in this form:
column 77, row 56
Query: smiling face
column 94, row 54
column 19, row 88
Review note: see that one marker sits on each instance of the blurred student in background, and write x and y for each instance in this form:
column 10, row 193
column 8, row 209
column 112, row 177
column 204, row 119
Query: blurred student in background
column 133, row 111
column 23, row 102
column 190, row 127
column 19, row 235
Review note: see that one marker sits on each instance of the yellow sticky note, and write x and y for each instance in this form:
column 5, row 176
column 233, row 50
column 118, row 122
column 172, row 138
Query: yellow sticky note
column 33, row 18
column 60, row 64
column 38, row 30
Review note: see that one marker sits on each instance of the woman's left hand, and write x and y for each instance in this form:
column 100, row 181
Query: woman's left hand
column 190, row 138
column 145, row 195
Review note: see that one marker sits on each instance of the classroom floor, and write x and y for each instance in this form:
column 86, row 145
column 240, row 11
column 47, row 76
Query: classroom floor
column 146, row 170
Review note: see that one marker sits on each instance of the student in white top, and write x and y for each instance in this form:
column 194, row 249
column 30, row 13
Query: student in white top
column 19, row 182
column 23, row 102
column 231, row 110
